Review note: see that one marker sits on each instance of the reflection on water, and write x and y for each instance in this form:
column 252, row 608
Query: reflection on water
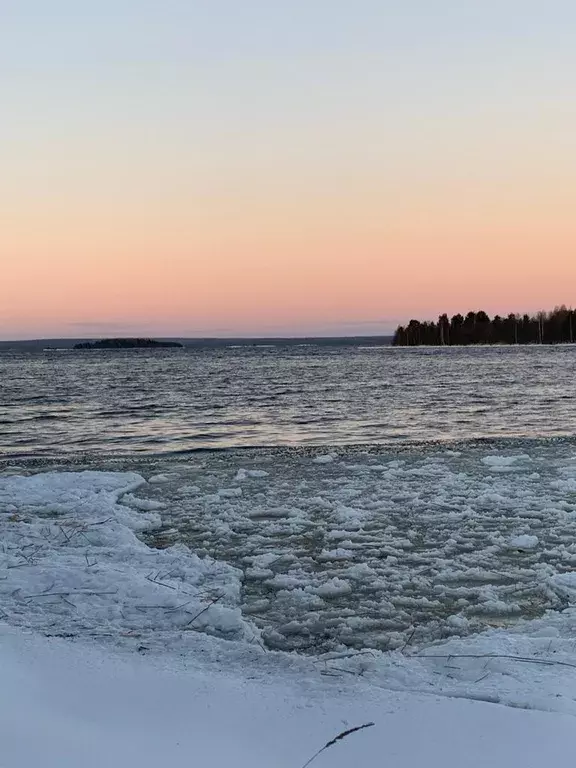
column 173, row 401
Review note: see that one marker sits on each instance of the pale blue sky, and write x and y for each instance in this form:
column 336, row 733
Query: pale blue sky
column 330, row 116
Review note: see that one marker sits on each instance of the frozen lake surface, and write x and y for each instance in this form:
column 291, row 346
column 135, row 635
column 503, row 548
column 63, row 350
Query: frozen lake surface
column 357, row 548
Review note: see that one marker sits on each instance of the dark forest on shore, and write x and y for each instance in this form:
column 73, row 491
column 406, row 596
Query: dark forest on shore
column 556, row 327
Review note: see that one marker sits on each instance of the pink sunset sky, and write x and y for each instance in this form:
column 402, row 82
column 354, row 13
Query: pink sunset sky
column 176, row 171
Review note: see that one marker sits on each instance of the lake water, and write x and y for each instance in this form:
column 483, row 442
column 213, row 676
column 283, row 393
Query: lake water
column 371, row 497
column 177, row 401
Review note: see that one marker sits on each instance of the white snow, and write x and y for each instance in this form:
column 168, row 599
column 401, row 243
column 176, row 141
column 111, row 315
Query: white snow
column 67, row 705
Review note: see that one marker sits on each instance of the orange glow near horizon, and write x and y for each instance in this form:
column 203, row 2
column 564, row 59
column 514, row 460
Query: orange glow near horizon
column 321, row 196
column 319, row 267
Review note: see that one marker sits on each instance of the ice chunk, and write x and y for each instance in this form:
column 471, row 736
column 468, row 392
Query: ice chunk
column 326, row 458
column 230, row 493
column 146, row 505
column 273, row 512
column 334, row 588
column 243, row 474
column 336, row 554
column 498, row 462
column 524, row 542
column 158, row 479
column 458, row 622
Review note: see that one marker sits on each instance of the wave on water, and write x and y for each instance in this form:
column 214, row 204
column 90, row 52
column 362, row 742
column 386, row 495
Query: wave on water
column 282, row 396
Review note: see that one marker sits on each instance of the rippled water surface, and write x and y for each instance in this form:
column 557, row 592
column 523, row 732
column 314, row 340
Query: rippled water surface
column 176, row 401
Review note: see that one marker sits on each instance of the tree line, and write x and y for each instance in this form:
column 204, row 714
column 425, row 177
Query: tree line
column 556, row 327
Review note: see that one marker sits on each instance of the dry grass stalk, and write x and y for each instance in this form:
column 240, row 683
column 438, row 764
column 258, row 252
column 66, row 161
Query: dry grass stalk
column 523, row 659
column 336, row 739
column 213, row 602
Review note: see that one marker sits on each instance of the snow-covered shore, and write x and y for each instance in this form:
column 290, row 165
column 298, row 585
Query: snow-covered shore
column 114, row 653
column 65, row 705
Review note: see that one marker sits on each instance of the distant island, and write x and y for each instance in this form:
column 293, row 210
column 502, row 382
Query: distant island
column 556, row 327
column 127, row 344
column 208, row 342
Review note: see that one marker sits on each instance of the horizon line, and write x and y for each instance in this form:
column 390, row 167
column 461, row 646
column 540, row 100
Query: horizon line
column 201, row 338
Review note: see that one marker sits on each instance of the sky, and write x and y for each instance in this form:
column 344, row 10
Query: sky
column 258, row 167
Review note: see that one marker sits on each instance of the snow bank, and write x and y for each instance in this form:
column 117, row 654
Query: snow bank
column 65, row 705
column 71, row 563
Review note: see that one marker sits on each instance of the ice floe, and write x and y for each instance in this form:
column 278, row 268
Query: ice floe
column 72, row 562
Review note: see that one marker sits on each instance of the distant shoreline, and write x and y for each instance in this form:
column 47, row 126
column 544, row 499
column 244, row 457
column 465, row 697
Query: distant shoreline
column 476, row 327
column 105, row 344
column 211, row 342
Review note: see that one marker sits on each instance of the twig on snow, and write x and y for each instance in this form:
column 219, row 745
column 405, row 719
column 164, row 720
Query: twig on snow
column 63, row 532
column 173, row 609
column 523, row 659
column 67, row 593
column 155, row 580
column 336, row 656
column 408, row 640
column 213, row 602
column 345, row 671
column 336, row 739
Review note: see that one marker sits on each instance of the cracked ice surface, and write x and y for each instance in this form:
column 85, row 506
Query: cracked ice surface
column 384, row 550
column 376, row 548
